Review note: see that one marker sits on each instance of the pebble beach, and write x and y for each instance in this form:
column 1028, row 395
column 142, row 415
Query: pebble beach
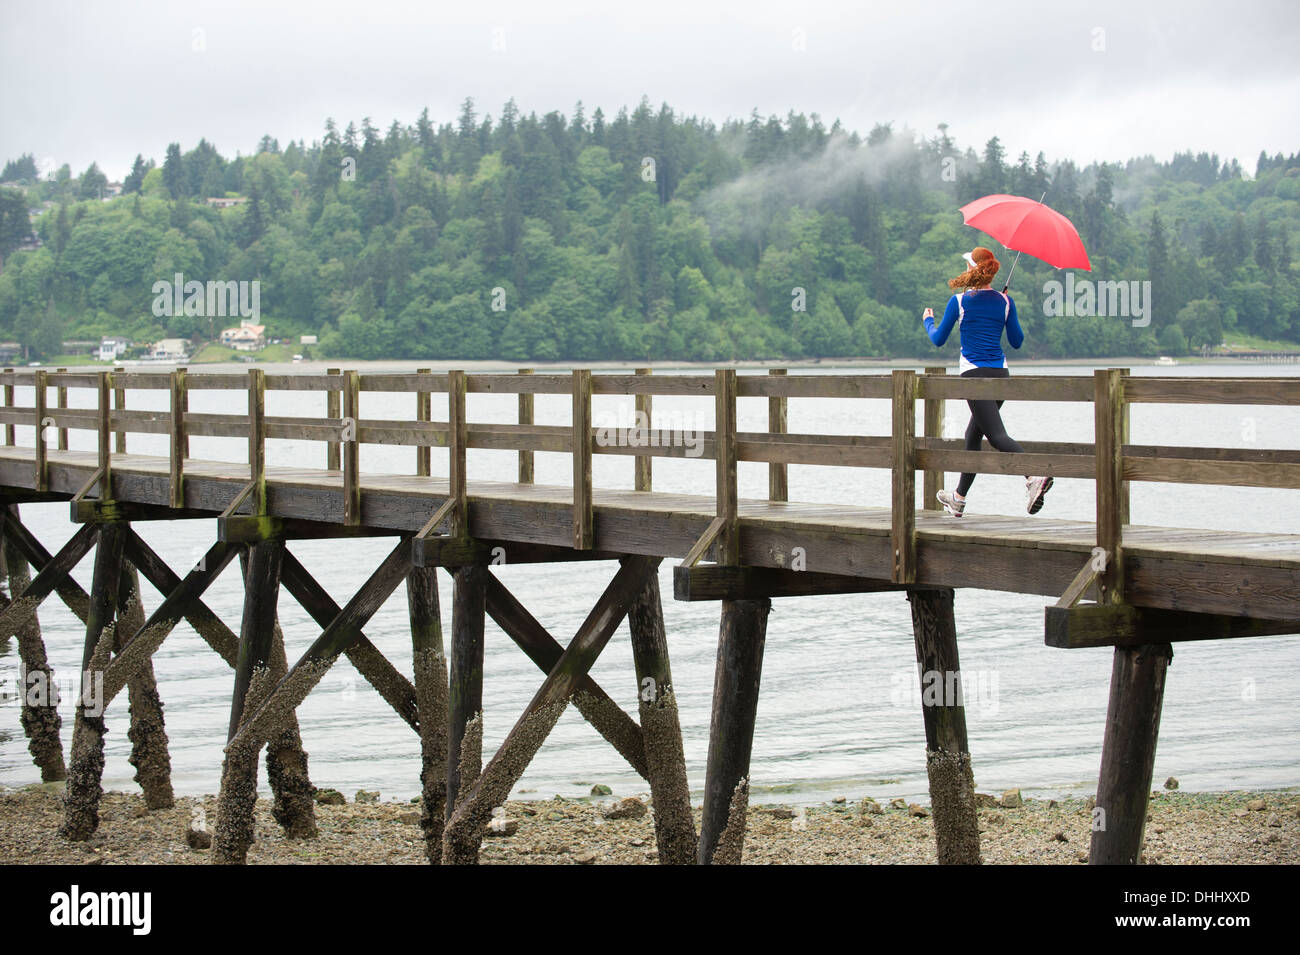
column 1241, row 828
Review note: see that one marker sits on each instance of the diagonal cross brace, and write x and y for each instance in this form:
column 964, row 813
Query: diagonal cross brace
column 50, row 576
column 163, row 620
column 606, row 717
column 474, row 806
column 390, row 683
column 343, row 632
column 34, row 551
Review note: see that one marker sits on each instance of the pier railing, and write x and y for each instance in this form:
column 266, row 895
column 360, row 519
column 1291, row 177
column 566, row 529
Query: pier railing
column 1110, row 460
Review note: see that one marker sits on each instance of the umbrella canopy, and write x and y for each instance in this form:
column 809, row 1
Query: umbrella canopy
column 1024, row 225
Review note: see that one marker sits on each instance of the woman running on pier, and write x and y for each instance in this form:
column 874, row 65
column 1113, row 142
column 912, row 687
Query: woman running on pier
column 982, row 313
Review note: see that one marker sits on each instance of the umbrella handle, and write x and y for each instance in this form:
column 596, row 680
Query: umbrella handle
column 1011, row 273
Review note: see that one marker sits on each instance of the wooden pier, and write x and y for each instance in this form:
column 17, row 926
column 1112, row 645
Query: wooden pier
column 1109, row 582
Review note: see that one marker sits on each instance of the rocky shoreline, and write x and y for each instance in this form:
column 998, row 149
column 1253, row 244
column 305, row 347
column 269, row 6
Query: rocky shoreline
column 1257, row 828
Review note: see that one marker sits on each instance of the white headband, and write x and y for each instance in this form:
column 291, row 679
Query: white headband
column 970, row 259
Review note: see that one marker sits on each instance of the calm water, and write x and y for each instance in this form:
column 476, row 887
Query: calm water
column 838, row 712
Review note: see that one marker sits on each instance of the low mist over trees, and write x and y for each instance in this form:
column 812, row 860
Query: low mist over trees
column 639, row 236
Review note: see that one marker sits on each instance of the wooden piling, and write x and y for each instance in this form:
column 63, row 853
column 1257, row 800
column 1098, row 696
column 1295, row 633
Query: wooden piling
column 430, row 664
column 947, row 751
column 293, row 801
column 741, row 638
column 665, row 759
column 475, row 803
column 234, row 827
column 148, row 732
column 39, row 713
column 465, row 693
column 1128, row 754
column 86, row 768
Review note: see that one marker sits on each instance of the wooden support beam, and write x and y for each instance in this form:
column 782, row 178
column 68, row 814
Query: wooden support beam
column 24, row 604
column 430, row 666
column 31, row 549
column 39, row 712
column 333, row 413
column 452, row 552
column 93, row 511
column 148, row 732
column 351, row 447
column 249, row 529
column 526, row 419
column 706, row 541
column 474, row 806
column 932, row 479
column 725, row 459
column 741, row 637
column 947, row 751
column 373, row 666
column 190, row 602
column 1123, row 625
column 457, row 444
column 722, row 582
column 903, row 500
column 449, row 552
column 661, row 728
column 86, row 768
column 177, row 440
column 1137, row 689
column 465, row 694
column 1085, row 578
column 180, row 601
column 1108, row 418
column 423, row 413
column 343, row 632
column 234, row 828
column 584, row 534
column 596, row 706
column 778, row 476
column 643, row 464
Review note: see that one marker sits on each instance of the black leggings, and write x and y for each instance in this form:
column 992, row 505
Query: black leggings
column 985, row 422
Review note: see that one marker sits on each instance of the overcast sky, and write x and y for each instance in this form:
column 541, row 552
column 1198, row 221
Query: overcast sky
column 103, row 80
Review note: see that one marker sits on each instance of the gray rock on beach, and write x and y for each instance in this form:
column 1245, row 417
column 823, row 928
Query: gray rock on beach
column 629, row 808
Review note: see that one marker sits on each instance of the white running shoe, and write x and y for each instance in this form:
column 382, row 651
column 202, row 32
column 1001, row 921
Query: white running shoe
column 950, row 503
column 1036, row 489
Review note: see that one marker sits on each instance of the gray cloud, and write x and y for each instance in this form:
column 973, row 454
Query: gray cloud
column 104, row 80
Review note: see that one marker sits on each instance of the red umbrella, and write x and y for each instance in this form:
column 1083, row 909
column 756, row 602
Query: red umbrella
column 1028, row 226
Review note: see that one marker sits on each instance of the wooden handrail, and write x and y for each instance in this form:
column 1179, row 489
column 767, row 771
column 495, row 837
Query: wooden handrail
column 1111, row 459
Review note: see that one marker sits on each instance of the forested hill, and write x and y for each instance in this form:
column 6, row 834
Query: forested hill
column 642, row 236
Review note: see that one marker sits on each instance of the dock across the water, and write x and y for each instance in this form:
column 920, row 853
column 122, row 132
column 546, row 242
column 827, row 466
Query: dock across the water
column 1110, row 582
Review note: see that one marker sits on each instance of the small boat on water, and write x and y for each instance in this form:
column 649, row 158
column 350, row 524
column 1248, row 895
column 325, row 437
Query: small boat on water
column 1165, row 360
